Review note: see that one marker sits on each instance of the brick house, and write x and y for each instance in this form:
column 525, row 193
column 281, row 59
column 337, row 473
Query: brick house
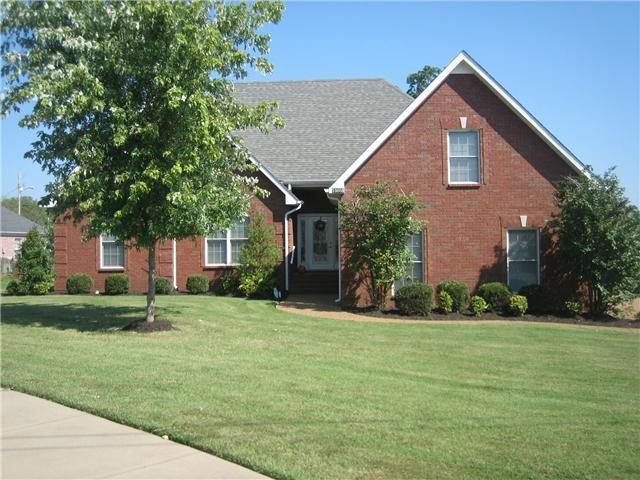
column 483, row 167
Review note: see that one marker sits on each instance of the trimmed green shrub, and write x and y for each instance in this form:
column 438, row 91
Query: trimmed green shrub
column 517, row 305
column 13, row 288
column 539, row 298
column 231, row 283
column 116, row 284
column 458, row 291
column 496, row 294
column 478, row 305
column 415, row 299
column 226, row 284
column 573, row 307
column 34, row 266
column 197, row 284
column 259, row 259
column 446, row 302
column 163, row 286
column 79, row 283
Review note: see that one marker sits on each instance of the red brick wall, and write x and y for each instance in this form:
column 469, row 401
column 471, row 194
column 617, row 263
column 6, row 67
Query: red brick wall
column 72, row 255
column 465, row 231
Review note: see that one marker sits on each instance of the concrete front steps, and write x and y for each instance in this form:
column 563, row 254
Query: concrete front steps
column 314, row 282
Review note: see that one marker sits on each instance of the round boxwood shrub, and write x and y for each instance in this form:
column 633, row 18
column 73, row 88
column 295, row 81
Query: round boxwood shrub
column 517, row 305
column 117, row 284
column 163, row 286
column 458, row 291
column 197, row 284
column 13, row 288
column 539, row 298
column 496, row 294
column 415, row 299
column 478, row 305
column 79, row 283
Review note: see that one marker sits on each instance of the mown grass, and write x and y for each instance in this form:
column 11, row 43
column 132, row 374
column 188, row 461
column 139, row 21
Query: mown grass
column 299, row 397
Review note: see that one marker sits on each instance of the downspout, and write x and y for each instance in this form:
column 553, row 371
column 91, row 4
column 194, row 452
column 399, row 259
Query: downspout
column 339, row 299
column 175, row 266
column 335, row 195
column 286, row 244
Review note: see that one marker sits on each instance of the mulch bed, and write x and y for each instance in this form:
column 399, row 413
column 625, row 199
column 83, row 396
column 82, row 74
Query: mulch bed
column 142, row 326
column 605, row 321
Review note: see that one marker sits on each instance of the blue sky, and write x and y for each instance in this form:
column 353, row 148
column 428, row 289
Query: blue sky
column 575, row 66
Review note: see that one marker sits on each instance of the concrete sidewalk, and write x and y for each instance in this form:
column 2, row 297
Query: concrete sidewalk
column 41, row 439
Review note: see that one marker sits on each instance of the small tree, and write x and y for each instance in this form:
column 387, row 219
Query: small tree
column 136, row 114
column 375, row 226
column 598, row 232
column 34, row 267
column 421, row 79
column 259, row 259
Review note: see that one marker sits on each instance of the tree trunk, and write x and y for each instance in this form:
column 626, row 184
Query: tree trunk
column 151, row 289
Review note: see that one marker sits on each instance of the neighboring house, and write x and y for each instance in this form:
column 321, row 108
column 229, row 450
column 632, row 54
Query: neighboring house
column 13, row 230
column 481, row 165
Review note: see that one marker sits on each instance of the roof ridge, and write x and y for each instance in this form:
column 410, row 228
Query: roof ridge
column 363, row 79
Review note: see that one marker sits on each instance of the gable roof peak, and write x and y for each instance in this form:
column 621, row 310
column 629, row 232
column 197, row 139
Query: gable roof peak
column 464, row 63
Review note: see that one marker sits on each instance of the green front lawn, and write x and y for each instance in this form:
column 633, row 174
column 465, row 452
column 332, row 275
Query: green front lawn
column 299, row 397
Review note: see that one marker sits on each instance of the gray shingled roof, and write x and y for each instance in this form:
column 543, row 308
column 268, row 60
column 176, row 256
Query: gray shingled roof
column 329, row 123
column 12, row 224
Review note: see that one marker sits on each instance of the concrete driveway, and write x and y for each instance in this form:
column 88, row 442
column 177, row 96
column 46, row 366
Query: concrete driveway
column 41, row 439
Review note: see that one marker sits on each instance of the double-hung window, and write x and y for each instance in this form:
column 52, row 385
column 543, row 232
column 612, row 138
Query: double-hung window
column 223, row 246
column 16, row 246
column 111, row 252
column 415, row 268
column 464, row 157
column 523, row 259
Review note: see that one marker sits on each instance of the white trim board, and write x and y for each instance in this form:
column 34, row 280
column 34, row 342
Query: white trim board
column 463, row 64
column 289, row 197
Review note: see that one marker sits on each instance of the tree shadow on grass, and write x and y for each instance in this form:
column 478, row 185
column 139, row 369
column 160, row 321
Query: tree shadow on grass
column 82, row 317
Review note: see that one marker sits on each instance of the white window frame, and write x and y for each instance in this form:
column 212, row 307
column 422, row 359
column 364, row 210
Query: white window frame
column 111, row 267
column 537, row 230
column 479, row 156
column 421, row 262
column 228, row 239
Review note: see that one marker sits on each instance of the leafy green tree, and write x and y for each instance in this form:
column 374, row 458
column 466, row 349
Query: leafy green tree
column 375, row 225
column 34, row 273
column 135, row 110
column 598, row 231
column 259, row 259
column 421, row 79
column 29, row 208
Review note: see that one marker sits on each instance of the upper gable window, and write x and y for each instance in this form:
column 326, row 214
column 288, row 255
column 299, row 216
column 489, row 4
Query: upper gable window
column 464, row 157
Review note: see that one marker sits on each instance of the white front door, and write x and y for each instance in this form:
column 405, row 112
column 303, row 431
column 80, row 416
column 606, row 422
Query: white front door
column 318, row 239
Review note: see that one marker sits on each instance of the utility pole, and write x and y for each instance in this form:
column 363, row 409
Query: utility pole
column 21, row 188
